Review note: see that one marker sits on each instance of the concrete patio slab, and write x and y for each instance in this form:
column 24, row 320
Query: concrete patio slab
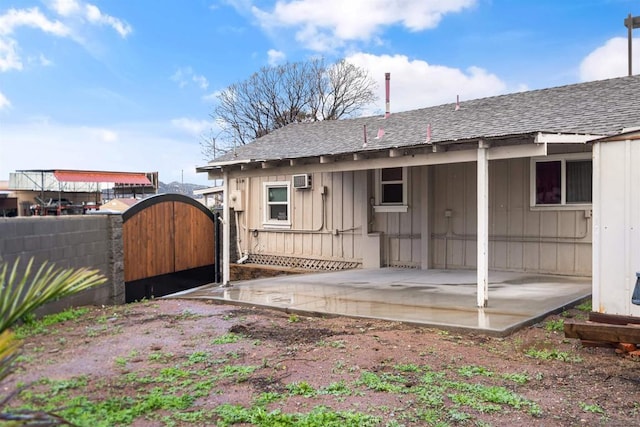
column 437, row 298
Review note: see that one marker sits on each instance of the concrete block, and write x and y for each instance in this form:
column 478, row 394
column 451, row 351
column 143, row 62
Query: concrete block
column 8, row 228
column 31, row 243
column 25, row 227
column 14, row 245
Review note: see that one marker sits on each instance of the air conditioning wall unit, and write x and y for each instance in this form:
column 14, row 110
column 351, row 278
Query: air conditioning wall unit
column 302, row 181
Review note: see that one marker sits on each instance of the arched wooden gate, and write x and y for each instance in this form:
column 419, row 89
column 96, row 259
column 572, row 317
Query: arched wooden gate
column 168, row 246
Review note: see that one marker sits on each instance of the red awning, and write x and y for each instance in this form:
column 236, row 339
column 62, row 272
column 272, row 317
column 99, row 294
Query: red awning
column 97, row 176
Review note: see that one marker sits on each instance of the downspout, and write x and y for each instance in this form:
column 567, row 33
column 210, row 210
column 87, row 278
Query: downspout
column 243, row 256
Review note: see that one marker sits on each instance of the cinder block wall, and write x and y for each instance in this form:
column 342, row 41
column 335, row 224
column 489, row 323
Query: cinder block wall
column 93, row 241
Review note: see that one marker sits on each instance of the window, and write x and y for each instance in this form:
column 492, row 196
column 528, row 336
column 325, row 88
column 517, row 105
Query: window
column 561, row 180
column 277, row 208
column 391, row 190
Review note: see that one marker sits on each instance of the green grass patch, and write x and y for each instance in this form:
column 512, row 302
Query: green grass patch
column 384, row 382
column 472, row 371
column 228, row 338
column 239, row 372
column 552, row 354
column 319, row 416
column 594, row 409
column 32, row 326
column 301, row 388
column 585, row 306
column 554, row 325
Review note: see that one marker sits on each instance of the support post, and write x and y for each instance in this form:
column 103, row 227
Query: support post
column 425, row 230
column 483, row 225
column 226, row 231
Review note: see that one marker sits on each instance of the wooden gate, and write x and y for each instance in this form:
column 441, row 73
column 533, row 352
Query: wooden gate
column 168, row 246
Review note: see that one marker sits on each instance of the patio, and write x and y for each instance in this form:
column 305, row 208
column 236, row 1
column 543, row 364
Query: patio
column 437, row 298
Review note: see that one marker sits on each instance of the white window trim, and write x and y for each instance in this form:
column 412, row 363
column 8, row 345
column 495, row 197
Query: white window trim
column 391, row 207
column 274, row 223
column 563, row 184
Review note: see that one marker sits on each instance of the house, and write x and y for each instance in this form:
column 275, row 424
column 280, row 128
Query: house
column 211, row 197
column 531, row 181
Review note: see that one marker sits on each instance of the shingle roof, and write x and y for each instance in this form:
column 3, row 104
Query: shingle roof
column 602, row 107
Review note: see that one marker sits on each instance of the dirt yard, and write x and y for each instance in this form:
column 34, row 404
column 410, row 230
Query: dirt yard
column 193, row 363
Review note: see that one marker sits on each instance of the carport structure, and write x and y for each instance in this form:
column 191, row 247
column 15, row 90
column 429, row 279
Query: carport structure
column 83, row 187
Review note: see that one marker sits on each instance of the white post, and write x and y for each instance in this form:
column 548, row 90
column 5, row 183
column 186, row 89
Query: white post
column 226, row 231
column 425, row 231
column 483, row 225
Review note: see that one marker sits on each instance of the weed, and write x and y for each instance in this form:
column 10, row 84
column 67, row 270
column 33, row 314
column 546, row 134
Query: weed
column 595, row 409
column 458, row 416
column 293, row 318
column 585, row 306
column 516, row 378
column 338, row 367
column 471, row 371
column 241, row 373
column 339, row 388
column 552, row 354
column 384, row 382
column 337, row 344
column 198, row 357
column 187, row 314
column 554, row 325
column 32, row 326
column 319, row 416
column 267, row 397
column 410, row 367
column 160, row 357
column 301, row 388
column 228, row 338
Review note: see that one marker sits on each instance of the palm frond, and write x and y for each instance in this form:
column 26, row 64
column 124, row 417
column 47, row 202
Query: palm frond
column 19, row 297
column 9, row 350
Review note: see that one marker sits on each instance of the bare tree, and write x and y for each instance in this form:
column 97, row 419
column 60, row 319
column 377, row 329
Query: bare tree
column 293, row 92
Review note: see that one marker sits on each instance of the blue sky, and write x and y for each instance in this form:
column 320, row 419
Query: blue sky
column 129, row 85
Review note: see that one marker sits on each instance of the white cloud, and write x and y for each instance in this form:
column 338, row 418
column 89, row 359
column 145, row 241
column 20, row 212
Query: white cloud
column 32, row 17
column 4, row 102
column 329, row 24
column 610, row 60
column 416, row 83
column 194, row 127
column 9, row 58
column 91, row 13
column 13, row 19
column 201, row 81
column 275, row 57
column 44, row 61
column 94, row 15
column 185, row 75
column 66, row 7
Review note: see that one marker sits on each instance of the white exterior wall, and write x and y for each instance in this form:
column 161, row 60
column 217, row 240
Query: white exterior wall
column 616, row 215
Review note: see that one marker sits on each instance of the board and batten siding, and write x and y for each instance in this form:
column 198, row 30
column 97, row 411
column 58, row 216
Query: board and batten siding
column 401, row 230
column 520, row 238
column 331, row 232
